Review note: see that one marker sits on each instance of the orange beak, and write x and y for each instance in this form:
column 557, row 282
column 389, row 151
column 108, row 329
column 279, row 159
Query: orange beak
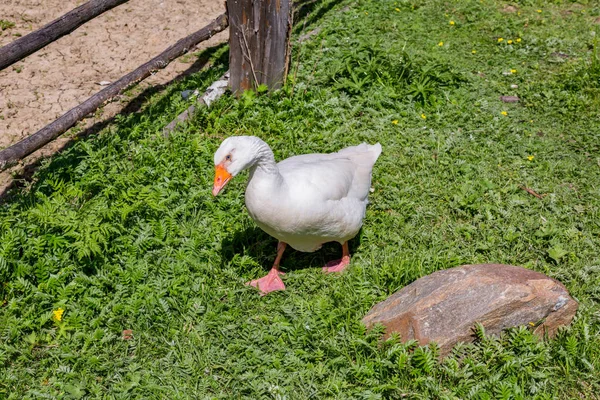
column 221, row 179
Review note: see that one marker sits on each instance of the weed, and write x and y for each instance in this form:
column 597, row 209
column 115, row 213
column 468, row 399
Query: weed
column 368, row 65
column 4, row 24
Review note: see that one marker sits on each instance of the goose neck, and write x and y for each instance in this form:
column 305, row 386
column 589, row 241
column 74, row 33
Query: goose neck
column 265, row 162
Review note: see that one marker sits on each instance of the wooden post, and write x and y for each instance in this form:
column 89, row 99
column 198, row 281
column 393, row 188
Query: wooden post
column 259, row 43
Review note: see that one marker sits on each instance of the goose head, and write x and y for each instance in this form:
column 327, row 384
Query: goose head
column 235, row 154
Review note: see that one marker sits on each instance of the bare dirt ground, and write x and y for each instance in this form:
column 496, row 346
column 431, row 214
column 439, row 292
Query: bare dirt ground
column 43, row 86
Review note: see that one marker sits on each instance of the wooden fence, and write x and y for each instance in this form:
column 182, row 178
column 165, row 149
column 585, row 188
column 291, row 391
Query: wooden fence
column 259, row 54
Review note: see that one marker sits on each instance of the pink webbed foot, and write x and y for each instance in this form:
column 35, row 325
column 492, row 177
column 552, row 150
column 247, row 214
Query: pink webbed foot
column 268, row 283
column 337, row 265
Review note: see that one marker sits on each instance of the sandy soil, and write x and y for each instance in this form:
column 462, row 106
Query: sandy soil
column 43, row 86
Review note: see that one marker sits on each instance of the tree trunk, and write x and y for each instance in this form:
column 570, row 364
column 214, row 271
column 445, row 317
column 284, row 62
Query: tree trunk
column 259, row 40
column 32, row 42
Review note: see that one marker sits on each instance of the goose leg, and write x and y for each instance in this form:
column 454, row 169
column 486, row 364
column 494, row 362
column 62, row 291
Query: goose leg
column 341, row 264
column 272, row 281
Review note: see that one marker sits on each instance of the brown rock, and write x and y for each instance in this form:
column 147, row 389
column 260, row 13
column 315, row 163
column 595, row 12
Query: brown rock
column 509, row 99
column 443, row 307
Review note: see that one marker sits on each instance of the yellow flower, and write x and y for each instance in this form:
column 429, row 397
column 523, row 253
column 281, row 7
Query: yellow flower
column 451, row 22
column 423, row 116
column 500, row 39
column 518, row 40
column 538, row 11
column 531, row 324
column 509, row 41
column 366, row 13
column 395, row 122
column 474, row 51
column 440, row 44
column 504, row 113
column 513, row 71
column 57, row 314
column 530, row 158
column 397, row 9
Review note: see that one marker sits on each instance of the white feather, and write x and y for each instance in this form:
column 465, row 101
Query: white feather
column 305, row 200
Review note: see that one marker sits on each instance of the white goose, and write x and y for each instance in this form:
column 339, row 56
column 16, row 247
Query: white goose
column 303, row 201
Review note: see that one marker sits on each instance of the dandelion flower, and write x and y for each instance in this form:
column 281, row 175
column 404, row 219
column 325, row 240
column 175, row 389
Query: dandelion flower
column 57, row 314
column 504, row 113
column 538, row 11
column 500, row 39
column 451, row 22
column 395, row 122
column 474, row 51
column 366, row 13
column 440, row 44
column 518, row 40
column 423, row 116
column 513, row 71
column 509, row 41
column 530, row 158
column 397, row 9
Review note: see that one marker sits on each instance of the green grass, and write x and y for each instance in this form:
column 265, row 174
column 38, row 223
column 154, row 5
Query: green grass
column 4, row 24
column 121, row 230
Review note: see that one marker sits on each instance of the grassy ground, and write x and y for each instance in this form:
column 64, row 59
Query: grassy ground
column 121, row 232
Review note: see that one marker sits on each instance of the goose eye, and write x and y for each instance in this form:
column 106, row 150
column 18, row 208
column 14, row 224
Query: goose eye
column 228, row 157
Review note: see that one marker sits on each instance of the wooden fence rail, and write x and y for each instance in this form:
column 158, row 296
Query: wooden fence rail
column 30, row 43
column 30, row 144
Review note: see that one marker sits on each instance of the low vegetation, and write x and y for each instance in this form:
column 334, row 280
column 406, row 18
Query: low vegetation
column 4, row 24
column 122, row 277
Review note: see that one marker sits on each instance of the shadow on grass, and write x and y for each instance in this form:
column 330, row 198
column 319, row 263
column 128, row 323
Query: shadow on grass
column 307, row 12
column 64, row 161
column 258, row 245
